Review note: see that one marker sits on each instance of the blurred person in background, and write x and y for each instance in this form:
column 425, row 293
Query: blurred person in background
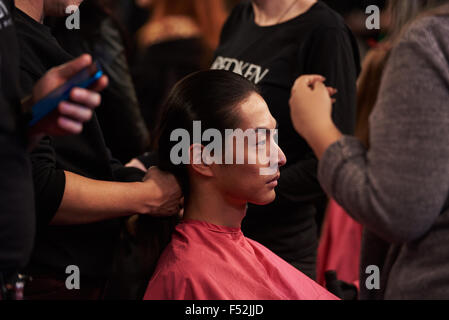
column 397, row 188
column 100, row 35
column 178, row 39
column 271, row 43
column 131, row 15
column 354, row 13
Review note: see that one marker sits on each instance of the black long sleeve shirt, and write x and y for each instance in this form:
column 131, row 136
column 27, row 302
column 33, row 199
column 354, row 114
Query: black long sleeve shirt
column 88, row 246
column 316, row 42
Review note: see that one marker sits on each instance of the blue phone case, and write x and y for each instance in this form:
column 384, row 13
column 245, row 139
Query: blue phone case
column 83, row 79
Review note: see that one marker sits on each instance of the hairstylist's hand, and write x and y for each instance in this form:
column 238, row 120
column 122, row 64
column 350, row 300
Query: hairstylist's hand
column 166, row 192
column 311, row 105
column 311, row 109
column 69, row 117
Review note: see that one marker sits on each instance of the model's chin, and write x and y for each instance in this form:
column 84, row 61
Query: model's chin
column 267, row 198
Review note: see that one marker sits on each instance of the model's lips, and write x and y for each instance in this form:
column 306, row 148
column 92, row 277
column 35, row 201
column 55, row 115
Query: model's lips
column 274, row 180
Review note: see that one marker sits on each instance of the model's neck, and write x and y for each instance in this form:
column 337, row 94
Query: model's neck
column 214, row 208
column 269, row 12
column 33, row 8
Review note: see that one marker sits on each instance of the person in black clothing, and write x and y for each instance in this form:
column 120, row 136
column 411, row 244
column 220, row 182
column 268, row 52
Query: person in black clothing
column 101, row 36
column 79, row 198
column 272, row 43
column 17, row 221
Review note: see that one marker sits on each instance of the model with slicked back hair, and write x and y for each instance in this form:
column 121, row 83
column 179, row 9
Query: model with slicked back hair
column 207, row 96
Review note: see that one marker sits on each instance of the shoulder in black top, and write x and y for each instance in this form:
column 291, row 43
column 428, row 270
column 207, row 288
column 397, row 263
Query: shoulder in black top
column 316, row 42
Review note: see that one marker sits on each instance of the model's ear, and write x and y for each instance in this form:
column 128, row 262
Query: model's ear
column 199, row 160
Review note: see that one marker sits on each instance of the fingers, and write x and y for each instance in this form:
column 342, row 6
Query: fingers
column 100, row 85
column 314, row 79
column 174, row 207
column 332, row 91
column 309, row 80
column 75, row 112
column 85, row 97
column 69, row 126
column 71, row 68
column 71, row 117
column 320, row 87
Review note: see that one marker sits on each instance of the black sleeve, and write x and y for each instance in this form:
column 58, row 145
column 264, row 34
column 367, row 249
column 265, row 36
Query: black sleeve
column 148, row 159
column 128, row 174
column 125, row 174
column 122, row 173
column 16, row 195
column 49, row 181
column 334, row 55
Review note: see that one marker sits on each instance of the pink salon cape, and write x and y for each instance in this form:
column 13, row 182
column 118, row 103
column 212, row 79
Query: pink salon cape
column 209, row 262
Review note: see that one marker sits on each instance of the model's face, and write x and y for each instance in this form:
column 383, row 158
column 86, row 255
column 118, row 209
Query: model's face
column 247, row 182
column 57, row 8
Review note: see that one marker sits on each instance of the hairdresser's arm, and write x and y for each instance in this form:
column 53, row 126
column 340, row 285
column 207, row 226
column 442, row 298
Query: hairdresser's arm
column 87, row 201
column 398, row 187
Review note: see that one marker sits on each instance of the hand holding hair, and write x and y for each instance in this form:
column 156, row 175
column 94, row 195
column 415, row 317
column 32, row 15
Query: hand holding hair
column 311, row 109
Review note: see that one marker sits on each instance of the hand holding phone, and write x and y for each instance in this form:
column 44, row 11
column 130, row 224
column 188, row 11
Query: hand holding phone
column 66, row 96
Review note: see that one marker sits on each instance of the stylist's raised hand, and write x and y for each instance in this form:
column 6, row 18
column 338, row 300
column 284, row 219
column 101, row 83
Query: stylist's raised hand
column 70, row 115
column 311, row 105
column 164, row 191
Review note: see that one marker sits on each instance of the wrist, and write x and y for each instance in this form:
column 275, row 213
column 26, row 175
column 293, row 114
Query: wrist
column 315, row 130
column 320, row 138
column 148, row 197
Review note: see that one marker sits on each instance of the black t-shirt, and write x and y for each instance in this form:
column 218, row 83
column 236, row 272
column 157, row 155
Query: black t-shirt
column 16, row 189
column 316, row 42
column 89, row 246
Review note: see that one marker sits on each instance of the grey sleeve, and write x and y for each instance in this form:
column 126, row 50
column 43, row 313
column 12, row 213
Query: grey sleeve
column 399, row 186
